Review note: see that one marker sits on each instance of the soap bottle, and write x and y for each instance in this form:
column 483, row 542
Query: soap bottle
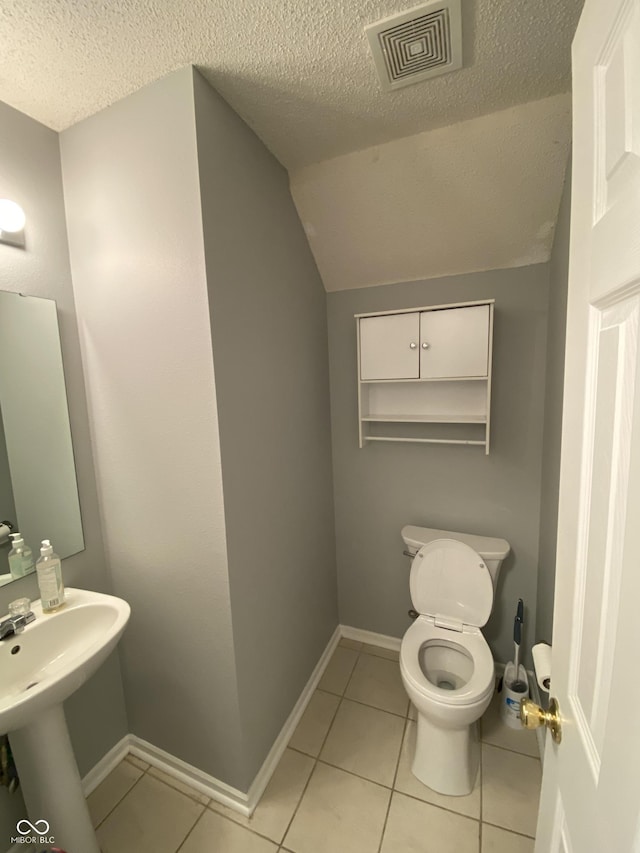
column 20, row 557
column 49, row 570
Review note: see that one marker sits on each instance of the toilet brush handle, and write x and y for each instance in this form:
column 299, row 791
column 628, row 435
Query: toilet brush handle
column 517, row 637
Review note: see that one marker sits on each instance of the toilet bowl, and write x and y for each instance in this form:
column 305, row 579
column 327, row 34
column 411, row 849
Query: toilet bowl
column 445, row 662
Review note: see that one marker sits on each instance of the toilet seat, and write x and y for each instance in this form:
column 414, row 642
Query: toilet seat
column 469, row 641
column 450, row 581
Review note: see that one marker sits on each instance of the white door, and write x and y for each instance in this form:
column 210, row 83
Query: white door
column 590, row 799
column 454, row 342
column 389, row 346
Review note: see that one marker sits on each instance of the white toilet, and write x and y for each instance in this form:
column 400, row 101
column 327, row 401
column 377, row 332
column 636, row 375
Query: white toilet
column 445, row 662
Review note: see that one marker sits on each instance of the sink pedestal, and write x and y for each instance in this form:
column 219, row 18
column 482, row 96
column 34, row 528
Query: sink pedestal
column 51, row 783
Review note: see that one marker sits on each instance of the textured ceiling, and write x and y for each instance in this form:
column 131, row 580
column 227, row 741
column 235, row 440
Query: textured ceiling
column 298, row 71
column 481, row 194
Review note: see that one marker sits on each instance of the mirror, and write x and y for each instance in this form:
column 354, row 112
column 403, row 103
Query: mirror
column 38, row 488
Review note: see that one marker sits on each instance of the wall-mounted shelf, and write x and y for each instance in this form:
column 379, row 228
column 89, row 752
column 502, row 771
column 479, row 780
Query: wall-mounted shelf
column 424, row 367
column 426, row 419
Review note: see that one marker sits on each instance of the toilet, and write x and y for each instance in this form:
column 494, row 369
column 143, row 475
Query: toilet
column 445, row 662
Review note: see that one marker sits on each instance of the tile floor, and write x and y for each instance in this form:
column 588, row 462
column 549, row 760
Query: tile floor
column 344, row 785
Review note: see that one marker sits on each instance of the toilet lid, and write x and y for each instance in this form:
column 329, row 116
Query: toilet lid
column 450, row 580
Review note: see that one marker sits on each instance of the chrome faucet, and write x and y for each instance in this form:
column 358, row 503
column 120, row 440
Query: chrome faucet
column 14, row 624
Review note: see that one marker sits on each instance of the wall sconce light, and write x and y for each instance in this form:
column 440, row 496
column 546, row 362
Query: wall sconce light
column 12, row 222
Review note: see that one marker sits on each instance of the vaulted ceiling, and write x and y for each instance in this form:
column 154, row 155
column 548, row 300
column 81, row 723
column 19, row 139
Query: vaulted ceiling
column 453, row 174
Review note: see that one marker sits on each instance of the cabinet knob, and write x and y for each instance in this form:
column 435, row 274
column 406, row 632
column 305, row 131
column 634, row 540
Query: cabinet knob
column 425, row 345
column 412, row 345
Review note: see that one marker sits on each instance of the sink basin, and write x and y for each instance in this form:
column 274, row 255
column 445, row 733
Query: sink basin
column 40, row 667
column 47, row 661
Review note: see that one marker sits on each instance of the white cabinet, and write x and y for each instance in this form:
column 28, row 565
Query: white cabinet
column 389, row 346
column 454, row 342
column 424, row 374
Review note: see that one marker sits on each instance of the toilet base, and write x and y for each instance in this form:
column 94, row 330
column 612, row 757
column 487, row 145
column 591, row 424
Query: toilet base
column 446, row 760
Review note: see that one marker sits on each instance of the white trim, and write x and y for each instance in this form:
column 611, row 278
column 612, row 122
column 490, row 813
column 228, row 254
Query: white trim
column 362, row 636
column 242, row 802
column 190, row 775
column 426, row 308
column 280, row 744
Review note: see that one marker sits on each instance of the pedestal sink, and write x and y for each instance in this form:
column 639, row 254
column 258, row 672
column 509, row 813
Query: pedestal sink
column 39, row 668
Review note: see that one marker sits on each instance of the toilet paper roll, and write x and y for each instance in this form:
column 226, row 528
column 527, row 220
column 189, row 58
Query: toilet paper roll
column 542, row 665
column 5, row 530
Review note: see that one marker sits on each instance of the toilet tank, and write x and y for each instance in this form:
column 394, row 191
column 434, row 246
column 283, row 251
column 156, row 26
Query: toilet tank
column 492, row 551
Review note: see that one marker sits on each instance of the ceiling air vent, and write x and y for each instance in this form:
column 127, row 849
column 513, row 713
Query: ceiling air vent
column 424, row 42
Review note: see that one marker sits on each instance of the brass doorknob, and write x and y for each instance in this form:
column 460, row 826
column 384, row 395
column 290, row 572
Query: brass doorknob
column 532, row 716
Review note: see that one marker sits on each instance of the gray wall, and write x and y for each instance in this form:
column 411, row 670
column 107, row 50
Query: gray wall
column 558, row 285
column 30, row 158
column 135, row 236
column 384, row 486
column 268, row 319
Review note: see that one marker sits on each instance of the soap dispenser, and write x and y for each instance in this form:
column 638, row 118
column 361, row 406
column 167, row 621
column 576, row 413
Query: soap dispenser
column 20, row 557
column 49, row 571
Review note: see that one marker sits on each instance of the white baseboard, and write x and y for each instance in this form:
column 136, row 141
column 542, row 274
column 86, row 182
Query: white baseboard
column 208, row 785
column 190, row 775
column 371, row 637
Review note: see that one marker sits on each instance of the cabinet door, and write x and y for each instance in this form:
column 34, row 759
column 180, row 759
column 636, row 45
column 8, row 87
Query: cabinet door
column 389, row 346
column 454, row 342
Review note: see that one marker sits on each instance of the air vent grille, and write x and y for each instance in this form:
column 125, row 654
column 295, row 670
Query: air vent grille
column 418, row 44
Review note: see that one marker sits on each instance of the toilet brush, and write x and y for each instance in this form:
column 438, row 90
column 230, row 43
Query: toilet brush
column 514, row 687
column 518, row 686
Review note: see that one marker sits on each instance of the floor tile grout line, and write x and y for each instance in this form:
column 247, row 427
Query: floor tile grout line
column 357, row 775
column 126, row 793
column 381, row 657
column 333, row 693
column 367, row 705
column 509, row 749
column 436, row 805
column 393, row 784
column 404, row 734
column 315, row 764
column 507, row 829
column 192, row 827
column 344, row 693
